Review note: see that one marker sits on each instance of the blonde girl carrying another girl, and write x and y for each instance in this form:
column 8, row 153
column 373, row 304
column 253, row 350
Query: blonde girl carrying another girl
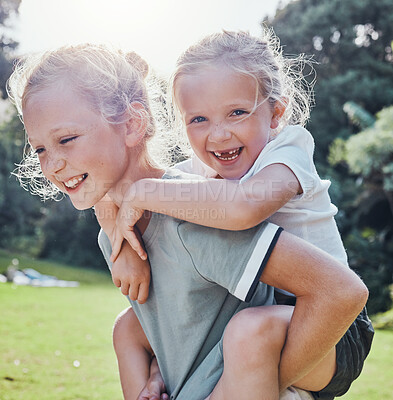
column 243, row 111
column 89, row 126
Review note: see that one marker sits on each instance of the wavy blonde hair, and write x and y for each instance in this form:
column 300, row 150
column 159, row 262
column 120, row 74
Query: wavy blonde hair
column 278, row 79
column 108, row 79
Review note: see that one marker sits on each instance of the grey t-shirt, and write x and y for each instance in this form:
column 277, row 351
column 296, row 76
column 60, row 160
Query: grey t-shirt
column 200, row 278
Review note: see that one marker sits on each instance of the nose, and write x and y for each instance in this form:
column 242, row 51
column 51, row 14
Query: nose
column 54, row 164
column 219, row 133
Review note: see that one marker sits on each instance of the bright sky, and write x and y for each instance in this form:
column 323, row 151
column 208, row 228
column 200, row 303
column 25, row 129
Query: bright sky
column 159, row 30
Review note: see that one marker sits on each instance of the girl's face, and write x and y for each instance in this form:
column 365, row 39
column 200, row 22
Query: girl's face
column 216, row 104
column 79, row 152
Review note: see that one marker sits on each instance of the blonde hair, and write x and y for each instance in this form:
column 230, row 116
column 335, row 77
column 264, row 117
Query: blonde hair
column 278, row 79
column 109, row 80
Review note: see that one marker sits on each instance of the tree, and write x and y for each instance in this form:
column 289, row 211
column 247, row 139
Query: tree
column 19, row 214
column 369, row 156
column 54, row 230
column 8, row 9
column 352, row 43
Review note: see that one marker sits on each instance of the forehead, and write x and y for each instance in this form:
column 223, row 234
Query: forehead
column 220, row 82
column 50, row 109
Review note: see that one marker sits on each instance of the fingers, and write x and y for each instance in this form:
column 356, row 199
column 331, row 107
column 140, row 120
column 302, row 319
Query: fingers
column 133, row 291
column 143, row 293
column 116, row 246
column 116, row 281
column 134, row 242
column 125, row 288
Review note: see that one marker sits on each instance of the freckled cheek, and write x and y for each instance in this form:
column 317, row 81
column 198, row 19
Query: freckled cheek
column 197, row 140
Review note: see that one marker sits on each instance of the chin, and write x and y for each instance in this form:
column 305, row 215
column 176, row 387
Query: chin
column 82, row 205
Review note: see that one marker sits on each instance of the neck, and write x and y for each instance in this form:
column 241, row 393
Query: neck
column 139, row 167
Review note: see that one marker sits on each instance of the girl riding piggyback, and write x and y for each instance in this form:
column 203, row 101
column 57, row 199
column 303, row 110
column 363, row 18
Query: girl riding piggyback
column 243, row 107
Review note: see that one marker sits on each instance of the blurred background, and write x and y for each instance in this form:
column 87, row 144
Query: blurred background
column 352, row 123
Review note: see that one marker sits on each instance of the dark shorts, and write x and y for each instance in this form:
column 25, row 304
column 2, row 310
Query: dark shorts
column 351, row 351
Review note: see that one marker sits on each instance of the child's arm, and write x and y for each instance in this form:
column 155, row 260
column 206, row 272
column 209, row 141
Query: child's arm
column 241, row 206
column 217, row 203
column 329, row 296
column 129, row 271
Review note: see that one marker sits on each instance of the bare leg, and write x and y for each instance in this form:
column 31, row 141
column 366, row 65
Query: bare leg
column 133, row 354
column 321, row 375
column 252, row 347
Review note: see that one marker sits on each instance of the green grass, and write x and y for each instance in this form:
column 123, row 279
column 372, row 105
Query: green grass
column 61, row 271
column 55, row 343
column 376, row 380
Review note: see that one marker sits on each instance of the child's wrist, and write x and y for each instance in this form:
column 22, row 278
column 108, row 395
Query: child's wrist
column 136, row 193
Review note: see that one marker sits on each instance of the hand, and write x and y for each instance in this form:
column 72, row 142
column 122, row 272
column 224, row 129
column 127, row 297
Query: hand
column 131, row 274
column 146, row 394
column 155, row 386
column 126, row 219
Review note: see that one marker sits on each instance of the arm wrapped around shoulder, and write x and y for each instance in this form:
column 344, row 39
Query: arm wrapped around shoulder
column 329, row 298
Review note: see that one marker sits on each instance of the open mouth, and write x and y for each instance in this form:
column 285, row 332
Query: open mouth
column 74, row 182
column 228, row 155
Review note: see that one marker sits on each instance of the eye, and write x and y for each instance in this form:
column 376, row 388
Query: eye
column 197, row 120
column 64, row 141
column 39, row 150
column 239, row 112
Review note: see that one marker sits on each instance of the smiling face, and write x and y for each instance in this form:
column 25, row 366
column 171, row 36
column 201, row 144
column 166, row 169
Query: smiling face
column 79, row 152
column 216, row 105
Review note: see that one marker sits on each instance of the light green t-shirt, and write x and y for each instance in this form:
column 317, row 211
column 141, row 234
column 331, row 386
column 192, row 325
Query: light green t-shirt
column 200, row 278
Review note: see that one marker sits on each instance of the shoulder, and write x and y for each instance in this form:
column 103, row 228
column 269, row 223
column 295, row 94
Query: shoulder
column 232, row 259
column 294, row 135
column 293, row 147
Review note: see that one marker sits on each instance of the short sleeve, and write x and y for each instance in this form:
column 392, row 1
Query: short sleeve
column 233, row 259
column 105, row 246
column 293, row 147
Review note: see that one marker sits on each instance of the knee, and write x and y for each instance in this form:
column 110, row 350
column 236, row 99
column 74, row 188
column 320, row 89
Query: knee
column 256, row 331
column 125, row 329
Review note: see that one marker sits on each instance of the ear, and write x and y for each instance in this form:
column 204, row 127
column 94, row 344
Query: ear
column 136, row 124
column 278, row 111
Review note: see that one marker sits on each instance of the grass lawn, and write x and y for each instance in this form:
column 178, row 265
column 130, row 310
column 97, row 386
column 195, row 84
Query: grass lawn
column 55, row 343
column 376, row 380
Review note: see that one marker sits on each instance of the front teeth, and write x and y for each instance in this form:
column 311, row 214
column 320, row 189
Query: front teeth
column 227, row 157
column 74, row 182
column 218, row 154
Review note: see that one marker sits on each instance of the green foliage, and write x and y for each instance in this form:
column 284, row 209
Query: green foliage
column 8, row 8
column 383, row 320
column 20, row 215
column 371, row 259
column 370, row 152
column 358, row 115
column 352, row 44
column 351, row 41
column 71, row 235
